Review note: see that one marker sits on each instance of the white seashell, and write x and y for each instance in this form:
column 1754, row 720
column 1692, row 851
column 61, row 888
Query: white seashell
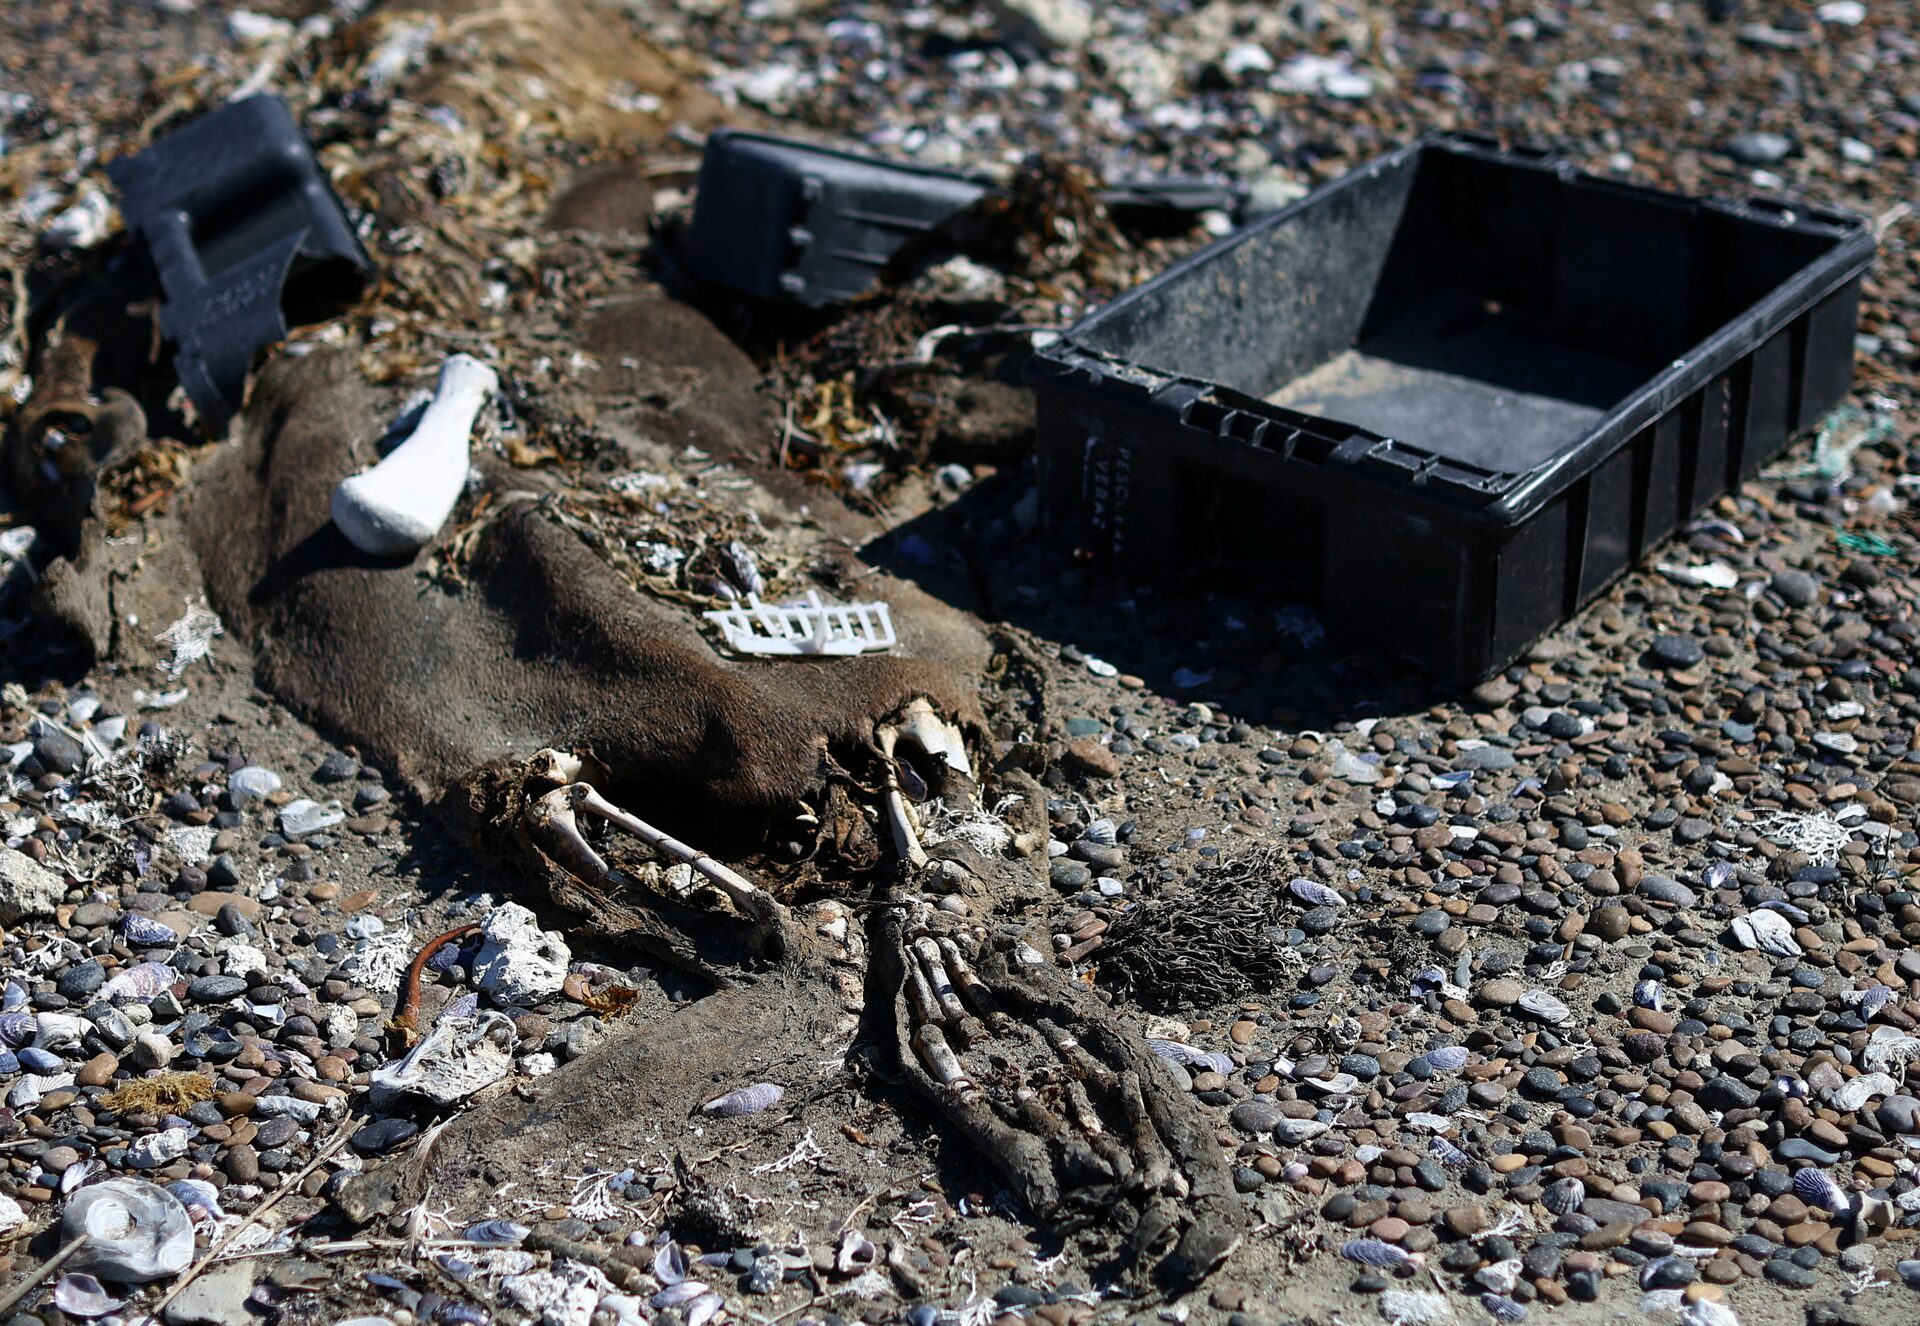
column 703, row 1309
column 1433, row 1123
column 156, row 1149
column 1767, row 931
column 684, row 1292
column 1859, row 1090
column 1447, row 1058
column 1102, row 831
column 1705, row 1313
column 1501, row 1308
column 1292, row 1132
column 670, row 1264
column 1340, row 1084
column 747, row 1100
column 1500, row 1277
column 1817, row 1188
column 856, row 1253
column 130, row 1230
column 80, row 1295
column 1375, row 1252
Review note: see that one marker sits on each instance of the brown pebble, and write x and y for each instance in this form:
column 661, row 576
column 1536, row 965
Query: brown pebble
column 358, row 899
column 97, row 1071
column 1390, row 1228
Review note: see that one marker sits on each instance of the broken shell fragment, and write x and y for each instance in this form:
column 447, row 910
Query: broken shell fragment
column 856, row 1253
column 1767, row 931
column 747, row 1100
column 1546, row 1007
column 400, row 504
column 80, row 1295
column 130, row 1230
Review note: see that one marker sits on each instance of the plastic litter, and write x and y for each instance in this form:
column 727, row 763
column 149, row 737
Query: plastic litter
column 129, row 1230
column 239, row 224
column 806, row 627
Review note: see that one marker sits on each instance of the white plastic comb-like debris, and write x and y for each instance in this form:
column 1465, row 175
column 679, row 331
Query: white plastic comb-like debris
column 806, row 627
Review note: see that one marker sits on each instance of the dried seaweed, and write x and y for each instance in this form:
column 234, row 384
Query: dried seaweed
column 1215, row 938
column 164, row 1092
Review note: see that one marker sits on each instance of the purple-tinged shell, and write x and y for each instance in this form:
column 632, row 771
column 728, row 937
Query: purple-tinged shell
column 14, row 997
column 1375, row 1252
column 143, row 980
column 459, row 1007
column 1817, row 1188
column 80, row 1295
column 672, row 1295
column 1315, row 894
column 17, row 1028
column 670, row 1264
column 145, row 932
column 1448, row 1154
column 1502, row 1308
column 452, row 1312
column 1874, row 998
column 747, row 1100
column 1189, row 1057
column 497, row 1231
column 1447, row 1058
column 1718, row 875
column 1648, row 994
column 703, row 1309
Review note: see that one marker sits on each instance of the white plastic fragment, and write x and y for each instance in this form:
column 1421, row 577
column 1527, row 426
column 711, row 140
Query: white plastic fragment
column 519, row 962
column 807, row 627
column 400, row 504
column 456, row 1058
column 131, row 1231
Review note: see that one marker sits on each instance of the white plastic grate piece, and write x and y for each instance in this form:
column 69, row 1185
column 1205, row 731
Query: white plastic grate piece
column 806, row 628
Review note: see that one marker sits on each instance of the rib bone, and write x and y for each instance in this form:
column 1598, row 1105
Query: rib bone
column 401, row 503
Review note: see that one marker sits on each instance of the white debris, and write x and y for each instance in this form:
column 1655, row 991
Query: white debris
column 82, row 225
column 555, row 1299
column 190, row 638
column 1713, row 575
column 156, row 1149
column 379, row 963
column 806, row 627
column 1767, row 931
column 519, row 962
column 307, row 816
column 11, row 1216
column 400, row 504
column 130, row 1230
column 457, row 1057
column 1857, row 1091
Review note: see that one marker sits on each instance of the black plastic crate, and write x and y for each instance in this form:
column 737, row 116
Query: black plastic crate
column 1449, row 397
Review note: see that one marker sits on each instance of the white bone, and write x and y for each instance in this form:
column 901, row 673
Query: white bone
column 935, row 736
column 400, row 504
column 906, row 839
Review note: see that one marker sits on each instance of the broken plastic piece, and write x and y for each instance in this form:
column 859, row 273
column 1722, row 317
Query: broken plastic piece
column 790, row 220
column 806, row 627
column 244, row 234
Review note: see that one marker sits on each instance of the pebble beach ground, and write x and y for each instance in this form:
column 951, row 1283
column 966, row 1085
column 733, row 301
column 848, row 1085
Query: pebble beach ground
column 1591, row 991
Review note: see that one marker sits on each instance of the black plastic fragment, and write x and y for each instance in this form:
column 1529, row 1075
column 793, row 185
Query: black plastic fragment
column 787, row 220
column 245, row 236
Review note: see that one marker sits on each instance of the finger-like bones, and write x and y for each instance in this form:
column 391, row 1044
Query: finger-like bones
column 906, row 837
column 552, row 821
column 931, row 1044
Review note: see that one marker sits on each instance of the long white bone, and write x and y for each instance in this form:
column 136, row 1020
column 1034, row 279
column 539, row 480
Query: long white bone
column 400, row 504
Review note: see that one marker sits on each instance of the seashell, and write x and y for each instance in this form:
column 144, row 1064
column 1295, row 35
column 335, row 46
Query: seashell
column 503, row 1232
column 1564, row 1196
column 1102, row 831
column 856, row 1253
column 460, row 1006
column 452, row 1312
column 1719, row 875
column 1767, row 931
column 1433, row 1123
column 1817, row 1188
column 1376, row 1252
column 75, row 1175
column 1662, row 1302
column 145, row 932
column 1427, row 980
column 1502, row 1308
column 1314, row 893
column 36, row 1060
column 16, row 1028
column 1292, row 1132
column 673, row 1295
column 669, row 1263
column 1705, row 1313
column 747, row 1100
column 1874, row 998
column 9, row 1063
column 143, row 980
column 157, row 1149
column 1448, row 1154
column 1179, row 1052
column 14, row 997
column 1339, row 1084
column 1797, row 915
column 702, row 1309
column 1448, row 1058
column 1546, row 1007
column 1790, row 1087
column 1859, row 1090
column 80, row 1295
column 196, row 1195
column 1500, row 1277
column 1414, row 1307
column 1648, row 994
column 129, row 1230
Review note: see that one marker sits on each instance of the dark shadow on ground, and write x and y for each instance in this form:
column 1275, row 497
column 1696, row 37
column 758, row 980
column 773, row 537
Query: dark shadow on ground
column 1207, row 633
